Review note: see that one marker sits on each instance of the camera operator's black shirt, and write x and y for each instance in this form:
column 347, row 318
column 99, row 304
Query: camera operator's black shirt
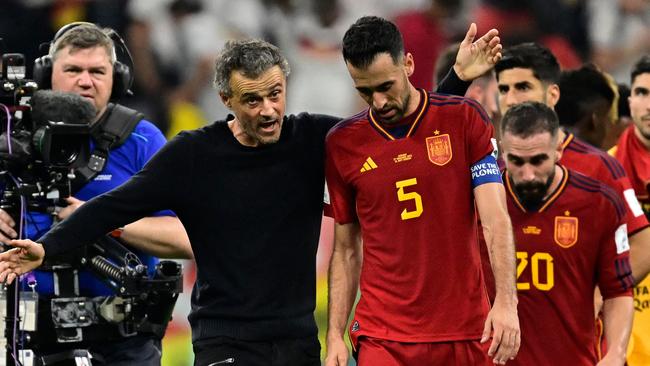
column 252, row 214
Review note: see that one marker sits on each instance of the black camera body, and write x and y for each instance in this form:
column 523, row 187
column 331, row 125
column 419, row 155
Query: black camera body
column 44, row 137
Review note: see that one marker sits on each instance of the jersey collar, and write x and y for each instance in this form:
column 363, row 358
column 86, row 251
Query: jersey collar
column 548, row 201
column 567, row 140
column 419, row 115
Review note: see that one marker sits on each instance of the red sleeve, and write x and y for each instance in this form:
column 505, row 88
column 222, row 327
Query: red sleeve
column 341, row 205
column 635, row 217
column 480, row 140
column 615, row 274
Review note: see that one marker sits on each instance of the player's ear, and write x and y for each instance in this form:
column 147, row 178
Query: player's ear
column 409, row 64
column 552, row 95
column 226, row 100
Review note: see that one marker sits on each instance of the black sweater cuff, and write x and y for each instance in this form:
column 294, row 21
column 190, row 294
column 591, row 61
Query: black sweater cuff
column 452, row 84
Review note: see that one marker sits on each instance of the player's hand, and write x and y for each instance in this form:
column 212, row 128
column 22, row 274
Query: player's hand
column 7, row 225
column 475, row 58
column 26, row 256
column 337, row 352
column 73, row 205
column 503, row 323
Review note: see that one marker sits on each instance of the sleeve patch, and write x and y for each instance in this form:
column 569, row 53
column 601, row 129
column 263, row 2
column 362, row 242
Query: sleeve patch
column 632, row 202
column 620, row 236
column 485, row 170
column 326, row 195
column 495, row 148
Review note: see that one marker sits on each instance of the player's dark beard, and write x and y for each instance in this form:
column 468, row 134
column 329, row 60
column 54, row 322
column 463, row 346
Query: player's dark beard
column 531, row 194
column 401, row 110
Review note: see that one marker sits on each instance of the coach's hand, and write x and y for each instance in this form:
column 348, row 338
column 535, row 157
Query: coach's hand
column 337, row 352
column 503, row 323
column 475, row 58
column 24, row 257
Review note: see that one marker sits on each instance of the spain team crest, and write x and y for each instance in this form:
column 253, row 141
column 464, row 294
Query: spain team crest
column 439, row 149
column 566, row 231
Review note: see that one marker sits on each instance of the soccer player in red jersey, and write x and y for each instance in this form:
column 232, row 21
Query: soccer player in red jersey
column 408, row 175
column 588, row 106
column 562, row 254
column 633, row 148
column 633, row 151
column 530, row 72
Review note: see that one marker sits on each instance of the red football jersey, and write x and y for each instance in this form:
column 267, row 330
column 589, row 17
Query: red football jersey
column 575, row 241
column 421, row 279
column 592, row 162
column 636, row 160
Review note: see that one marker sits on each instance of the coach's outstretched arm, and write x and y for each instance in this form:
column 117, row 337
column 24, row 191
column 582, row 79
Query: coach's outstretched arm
column 344, row 273
column 502, row 321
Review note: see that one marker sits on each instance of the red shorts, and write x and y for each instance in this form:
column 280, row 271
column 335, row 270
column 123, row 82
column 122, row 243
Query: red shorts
column 379, row 352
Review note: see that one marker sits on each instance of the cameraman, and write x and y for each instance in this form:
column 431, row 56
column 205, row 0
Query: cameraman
column 82, row 61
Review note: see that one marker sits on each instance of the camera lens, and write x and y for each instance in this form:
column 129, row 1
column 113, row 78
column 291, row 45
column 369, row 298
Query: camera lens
column 58, row 149
column 64, row 150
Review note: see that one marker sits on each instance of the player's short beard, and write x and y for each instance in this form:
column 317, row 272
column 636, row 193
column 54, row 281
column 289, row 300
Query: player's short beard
column 531, row 194
column 401, row 110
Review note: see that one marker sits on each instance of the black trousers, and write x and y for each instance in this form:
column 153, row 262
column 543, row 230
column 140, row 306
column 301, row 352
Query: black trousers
column 138, row 350
column 232, row 352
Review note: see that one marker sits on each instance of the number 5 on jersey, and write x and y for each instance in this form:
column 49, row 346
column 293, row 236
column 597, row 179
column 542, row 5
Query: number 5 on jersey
column 403, row 196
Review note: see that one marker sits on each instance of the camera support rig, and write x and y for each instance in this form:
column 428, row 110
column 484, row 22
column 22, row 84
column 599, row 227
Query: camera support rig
column 145, row 303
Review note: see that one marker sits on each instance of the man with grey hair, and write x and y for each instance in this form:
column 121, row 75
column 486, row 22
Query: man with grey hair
column 249, row 190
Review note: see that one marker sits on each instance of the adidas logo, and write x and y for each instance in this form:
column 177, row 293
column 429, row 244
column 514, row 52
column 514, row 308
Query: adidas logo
column 368, row 165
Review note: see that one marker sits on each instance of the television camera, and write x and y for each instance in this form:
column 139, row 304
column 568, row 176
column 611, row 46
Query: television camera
column 44, row 140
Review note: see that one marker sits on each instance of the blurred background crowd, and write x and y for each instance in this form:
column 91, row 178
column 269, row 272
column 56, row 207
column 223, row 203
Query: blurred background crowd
column 173, row 44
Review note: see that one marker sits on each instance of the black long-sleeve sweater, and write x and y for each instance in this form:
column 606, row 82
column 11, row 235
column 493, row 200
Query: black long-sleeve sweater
column 252, row 214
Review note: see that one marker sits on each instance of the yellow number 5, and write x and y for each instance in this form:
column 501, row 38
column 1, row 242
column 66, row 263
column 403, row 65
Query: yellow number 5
column 406, row 196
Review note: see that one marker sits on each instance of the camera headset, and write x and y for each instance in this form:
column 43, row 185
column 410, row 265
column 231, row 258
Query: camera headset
column 122, row 76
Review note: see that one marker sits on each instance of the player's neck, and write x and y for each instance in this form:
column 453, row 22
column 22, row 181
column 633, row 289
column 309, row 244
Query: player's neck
column 414, row 100
column 642, row 139
column 557, row 178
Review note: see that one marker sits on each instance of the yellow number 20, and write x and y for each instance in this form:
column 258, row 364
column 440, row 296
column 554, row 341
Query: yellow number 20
column 407, row 196
column 535, row 263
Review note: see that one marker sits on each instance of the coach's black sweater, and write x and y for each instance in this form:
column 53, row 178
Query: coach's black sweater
column 252, row 214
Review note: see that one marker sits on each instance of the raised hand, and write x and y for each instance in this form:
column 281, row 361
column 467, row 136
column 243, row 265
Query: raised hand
column 26, row 256
column 475, row 58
